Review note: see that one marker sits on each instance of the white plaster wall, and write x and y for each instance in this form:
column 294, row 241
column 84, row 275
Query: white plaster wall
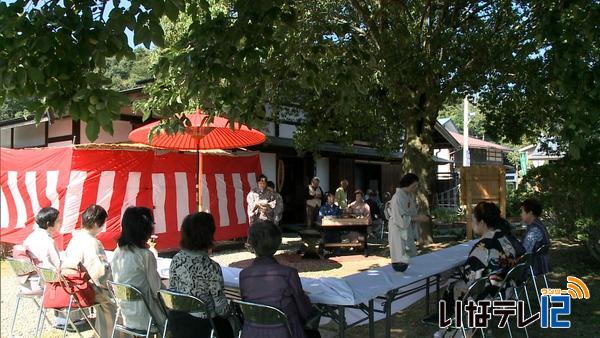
column 60, row 144
column 268, row 164
column 287, row 130
column 5, row 138
column 61, row 127
column 322, row 165
column 121, row 131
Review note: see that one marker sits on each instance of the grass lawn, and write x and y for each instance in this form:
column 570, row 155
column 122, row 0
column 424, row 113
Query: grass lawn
column 567, row 258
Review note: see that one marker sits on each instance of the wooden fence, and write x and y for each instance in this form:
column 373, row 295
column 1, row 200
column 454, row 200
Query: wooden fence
column 482, row 183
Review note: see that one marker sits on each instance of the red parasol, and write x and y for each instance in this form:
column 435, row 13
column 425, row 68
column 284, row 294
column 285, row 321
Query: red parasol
column 201, row 135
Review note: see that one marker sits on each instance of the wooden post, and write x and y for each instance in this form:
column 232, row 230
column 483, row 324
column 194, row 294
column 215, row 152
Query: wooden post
column 199, row 181
column 469, row 201
column 502, row 191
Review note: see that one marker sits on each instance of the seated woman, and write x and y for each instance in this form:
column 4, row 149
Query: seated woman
column 330, row 209
column 270, row 283
column 40, row 244
column 193, row 272
column 84, row 250
column 536, row 236
column 496, row 252
column 359, row 207
column 134, row 264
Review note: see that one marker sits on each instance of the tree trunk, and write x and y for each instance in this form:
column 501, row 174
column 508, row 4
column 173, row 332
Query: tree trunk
column 418, row 159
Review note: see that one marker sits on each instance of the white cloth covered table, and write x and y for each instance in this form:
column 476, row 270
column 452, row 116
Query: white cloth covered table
column 361, row 287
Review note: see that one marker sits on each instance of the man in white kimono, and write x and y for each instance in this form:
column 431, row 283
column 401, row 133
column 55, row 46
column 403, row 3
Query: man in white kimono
column 404, row 221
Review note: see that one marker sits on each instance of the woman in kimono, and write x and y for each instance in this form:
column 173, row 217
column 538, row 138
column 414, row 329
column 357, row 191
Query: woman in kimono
column 404, row 220
column 84, row 250
column 494, row 255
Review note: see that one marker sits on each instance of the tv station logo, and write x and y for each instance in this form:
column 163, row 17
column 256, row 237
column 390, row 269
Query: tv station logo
column 555, row 307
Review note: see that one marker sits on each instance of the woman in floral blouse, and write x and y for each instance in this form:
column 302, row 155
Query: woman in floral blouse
column 193, row 272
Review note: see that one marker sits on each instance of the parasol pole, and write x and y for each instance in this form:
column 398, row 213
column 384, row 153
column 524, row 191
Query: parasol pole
column 199, row 173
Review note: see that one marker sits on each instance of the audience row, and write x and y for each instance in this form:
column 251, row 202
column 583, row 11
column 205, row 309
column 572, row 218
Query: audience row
column 192, row 272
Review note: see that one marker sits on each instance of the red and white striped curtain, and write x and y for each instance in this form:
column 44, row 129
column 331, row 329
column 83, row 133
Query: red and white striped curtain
column 71, row 179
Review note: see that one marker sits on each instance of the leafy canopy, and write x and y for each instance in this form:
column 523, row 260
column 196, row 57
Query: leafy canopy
column 360, row 69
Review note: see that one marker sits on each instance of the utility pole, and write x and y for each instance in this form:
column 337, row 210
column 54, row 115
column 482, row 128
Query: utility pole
column 466, row 155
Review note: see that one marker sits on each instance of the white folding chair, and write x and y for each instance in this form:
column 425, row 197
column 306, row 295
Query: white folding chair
column 24, row 268
column 122, row 292
column 52, row 276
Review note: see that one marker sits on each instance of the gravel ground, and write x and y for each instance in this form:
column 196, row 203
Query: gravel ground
column 335, row 266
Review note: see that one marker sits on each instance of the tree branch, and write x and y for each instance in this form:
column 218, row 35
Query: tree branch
column 406, row 9
column 421, row 22
column 373, row 29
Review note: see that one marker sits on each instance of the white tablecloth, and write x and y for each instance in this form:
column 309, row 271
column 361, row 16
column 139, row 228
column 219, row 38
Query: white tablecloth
column 361, row 287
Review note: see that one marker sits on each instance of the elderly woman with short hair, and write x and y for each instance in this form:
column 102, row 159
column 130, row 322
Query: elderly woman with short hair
column 193, row 272
column 270, row 283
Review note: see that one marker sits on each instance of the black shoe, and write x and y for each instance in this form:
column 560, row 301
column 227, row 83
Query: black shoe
column 400, row 267
column 61, row 327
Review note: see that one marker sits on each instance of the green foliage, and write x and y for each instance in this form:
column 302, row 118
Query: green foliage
column 447, row 216
column 454, row 111
column 568, row 189
column 555, row 90
column 126, row 72
column 11, row 109
column 53, row 56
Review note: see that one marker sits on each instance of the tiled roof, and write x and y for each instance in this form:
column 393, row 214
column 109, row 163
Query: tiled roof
column 478, row 144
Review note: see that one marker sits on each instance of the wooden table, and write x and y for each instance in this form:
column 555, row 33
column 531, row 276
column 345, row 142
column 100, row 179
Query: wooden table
column 348, row 224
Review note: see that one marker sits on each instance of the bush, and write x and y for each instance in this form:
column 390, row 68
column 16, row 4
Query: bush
column 569, row 191
column 447, row 216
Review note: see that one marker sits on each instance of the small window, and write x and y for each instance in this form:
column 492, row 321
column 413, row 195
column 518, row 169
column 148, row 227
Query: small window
column 494, row 155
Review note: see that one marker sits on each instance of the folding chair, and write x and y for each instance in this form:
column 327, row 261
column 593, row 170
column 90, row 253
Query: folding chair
column 515, row 278
column 263, row 315
column 476, row 289
column 23, row 268
column 384, row 230
column 52, row 276
column 122, row 292
column 527, row 259
column 181, row 302
column 541, row 251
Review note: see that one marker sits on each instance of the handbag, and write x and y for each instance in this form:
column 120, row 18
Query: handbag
column 57, row 295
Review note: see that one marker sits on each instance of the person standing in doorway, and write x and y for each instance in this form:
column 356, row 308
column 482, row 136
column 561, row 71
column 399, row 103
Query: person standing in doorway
column 261, row 202
column 403, row 222
column 314, row 198
column 341, row 195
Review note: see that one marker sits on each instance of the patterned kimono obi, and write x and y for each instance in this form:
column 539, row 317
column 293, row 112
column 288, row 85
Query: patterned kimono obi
column 494, row 255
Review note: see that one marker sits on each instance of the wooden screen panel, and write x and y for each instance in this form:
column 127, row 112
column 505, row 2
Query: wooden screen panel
column 482, row 183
